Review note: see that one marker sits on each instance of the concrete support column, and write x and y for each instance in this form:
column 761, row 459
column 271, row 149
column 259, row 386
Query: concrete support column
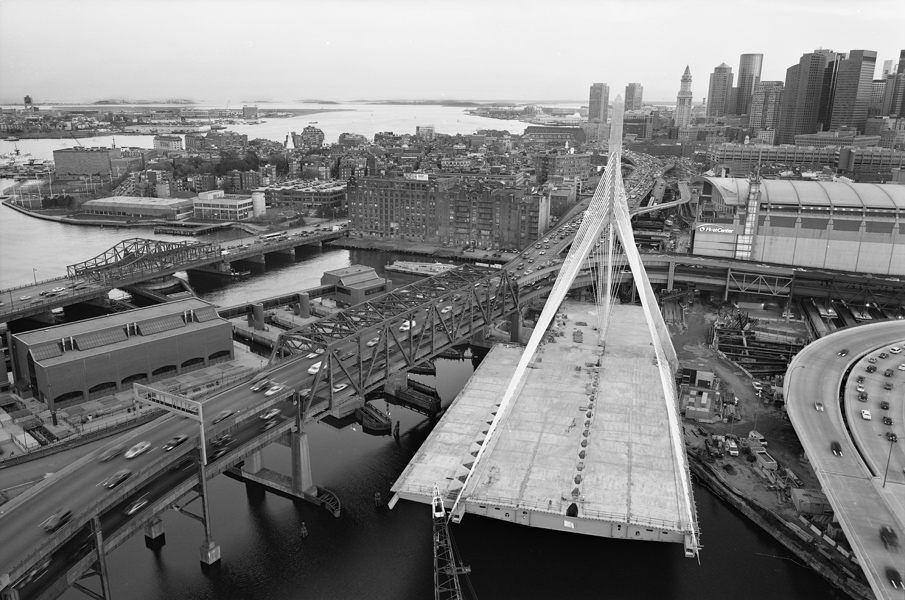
column 515, row 327
column 101, row 557
column 154, row 534
column 258, row 313
column 478, row 336
column 223, row 267
column 253, row 463
column 304, row 305
column 210, row 550
column 671, row 278
column 396, row 381
column 302, row 481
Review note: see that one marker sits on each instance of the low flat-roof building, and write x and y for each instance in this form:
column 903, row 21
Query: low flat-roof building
column 72, row 363
column 140, row 207
column 356, row 284
column 216, row 204
column 308, row 195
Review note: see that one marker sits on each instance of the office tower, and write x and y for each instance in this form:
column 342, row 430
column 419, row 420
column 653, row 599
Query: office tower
column 853, row 87
column 720, row 91
column 888, row 67
column 683, row 100
column 875, row 103
column 894, row 96
column 766, row 102
column 633, row 92
column 598, row 103
column 807, row 95
column 749, row 66
column 901, row 68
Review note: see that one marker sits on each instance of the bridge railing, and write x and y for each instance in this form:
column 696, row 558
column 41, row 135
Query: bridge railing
column 33, row 284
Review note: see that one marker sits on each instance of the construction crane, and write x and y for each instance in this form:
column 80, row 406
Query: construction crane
column 446, row 567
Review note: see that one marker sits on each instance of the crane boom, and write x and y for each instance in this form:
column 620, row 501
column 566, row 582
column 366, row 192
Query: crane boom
column 446, row 567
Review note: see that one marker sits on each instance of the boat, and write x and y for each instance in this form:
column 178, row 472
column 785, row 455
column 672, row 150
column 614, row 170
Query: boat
column 373, row 420
column 416, row 268
column 12, row 139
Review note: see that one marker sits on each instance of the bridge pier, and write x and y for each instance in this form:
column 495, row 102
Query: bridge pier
column 302, row 481
column 285, row 251
column 304, row 305
column 257, row 316
column 154, row 534
column 515, row 327
column 101, row 557
column 210, row 550
column 253, row 463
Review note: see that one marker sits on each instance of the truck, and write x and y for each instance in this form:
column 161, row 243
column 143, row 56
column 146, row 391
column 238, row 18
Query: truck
column 732, row 447
column 757, row 437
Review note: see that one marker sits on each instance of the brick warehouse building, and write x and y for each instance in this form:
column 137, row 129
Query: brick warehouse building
column 75, row 362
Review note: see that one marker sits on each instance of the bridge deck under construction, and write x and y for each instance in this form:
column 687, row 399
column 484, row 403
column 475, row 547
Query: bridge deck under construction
column 583, row 448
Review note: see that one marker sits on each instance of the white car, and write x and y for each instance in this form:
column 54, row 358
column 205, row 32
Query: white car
column 373, row 342
column 137, row 449
column 902, row 367
column 895, row 350
column 339, row 387
column 274, row 390
column 24, row 297
column 58, row 289
column 313, row 369
column 445, row 310
column 757, row 385
column 406, row 325
column 865, row 414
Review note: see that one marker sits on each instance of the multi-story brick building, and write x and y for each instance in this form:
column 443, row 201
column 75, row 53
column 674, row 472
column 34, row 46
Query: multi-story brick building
column 85, row 161
column 167, row 143
column 306, row 195
column 562, row 164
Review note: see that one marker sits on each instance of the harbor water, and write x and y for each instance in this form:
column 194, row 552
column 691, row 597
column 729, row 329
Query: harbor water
column 373, row 552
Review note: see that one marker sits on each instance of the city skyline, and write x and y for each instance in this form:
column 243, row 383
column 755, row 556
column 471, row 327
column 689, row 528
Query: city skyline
column 275, row 50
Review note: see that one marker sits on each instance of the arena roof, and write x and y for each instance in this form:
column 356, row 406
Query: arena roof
column 139, row 202
column 734, row 191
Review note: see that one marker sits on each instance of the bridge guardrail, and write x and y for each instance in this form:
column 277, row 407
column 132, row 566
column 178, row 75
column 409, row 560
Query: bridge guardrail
column 33, row 284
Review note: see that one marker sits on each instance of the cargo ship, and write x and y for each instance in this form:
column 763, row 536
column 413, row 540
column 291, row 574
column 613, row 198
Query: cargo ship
column 418, row 268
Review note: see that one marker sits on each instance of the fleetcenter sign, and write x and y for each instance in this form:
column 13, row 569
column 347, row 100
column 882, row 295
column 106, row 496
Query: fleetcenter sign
column 716, row 228
column 173, row 403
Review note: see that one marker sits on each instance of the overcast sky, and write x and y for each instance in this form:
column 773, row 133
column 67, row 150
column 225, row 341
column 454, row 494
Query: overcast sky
column 523, row 50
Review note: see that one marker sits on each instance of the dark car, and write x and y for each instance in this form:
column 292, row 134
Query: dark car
column 887, row 385
column 860, row 379
column 111, row 453
column 871, row 369
column 888, row 372
column 57, row 519
column 270, row 424
column 261, row 385
column 895, row 578
column 862, row 396
column 222, row 440
column 179, row 439
column 889, row 537
column 836, row 448
column 843, row 352
column 887, row 421
column 883, row 355
column 891, row 436
column 884, row 405
column 117, row 478
column 217, row 453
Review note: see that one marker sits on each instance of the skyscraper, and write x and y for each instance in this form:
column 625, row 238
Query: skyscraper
column 806, row 98
column 598, row 103
column 875, row 103
column 720, row 91
column 901, row 68
column 766, row 102
column 749, row 66
column 633, row 92
column 683, row 100
column 888, row 67
column 853, row 86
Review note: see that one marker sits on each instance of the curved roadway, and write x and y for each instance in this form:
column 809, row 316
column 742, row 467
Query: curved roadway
column 854, row 481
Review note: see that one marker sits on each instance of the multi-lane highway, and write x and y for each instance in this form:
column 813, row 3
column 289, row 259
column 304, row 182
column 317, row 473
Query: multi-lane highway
column 849, row 453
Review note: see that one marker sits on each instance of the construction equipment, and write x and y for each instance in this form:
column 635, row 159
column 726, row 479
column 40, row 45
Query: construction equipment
column 446, row 567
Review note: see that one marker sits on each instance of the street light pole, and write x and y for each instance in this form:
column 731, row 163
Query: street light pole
column 885, row 473
column 34, row 274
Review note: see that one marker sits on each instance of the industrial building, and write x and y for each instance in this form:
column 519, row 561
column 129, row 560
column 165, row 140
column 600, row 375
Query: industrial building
column 355, row 284
column 851, row 227
column 137, row 207
column 72, row 363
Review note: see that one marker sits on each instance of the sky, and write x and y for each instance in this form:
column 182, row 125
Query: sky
column 343, row 50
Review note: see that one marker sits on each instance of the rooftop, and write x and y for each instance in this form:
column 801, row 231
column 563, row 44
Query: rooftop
column 139, row 201
column 812, row 193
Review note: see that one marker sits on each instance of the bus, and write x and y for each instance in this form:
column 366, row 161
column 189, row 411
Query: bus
column 273, row 237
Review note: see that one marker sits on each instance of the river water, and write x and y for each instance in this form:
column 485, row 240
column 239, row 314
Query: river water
column 377, row 553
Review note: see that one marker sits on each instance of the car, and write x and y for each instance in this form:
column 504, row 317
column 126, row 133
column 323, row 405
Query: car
column 117, row 478
column 57, row 520
column 887, row 421
column 883, row 355
column 223, row 416
column 222, row 440
column 884, row 405
column 58, row 289
column 137, row 449
column 872, row 359
column 888, row 372
column 276, row 389
column 313, row 369
column 860, row 379
column 902, row 367
column 217, row 453
column 871, row 369
column 859, row 388
column 887, row 385
column 339, row 387
column 270, row 414
column 889, row 537
column 406, row 325
column 111, row 453
column 865, row 414
column 347, row 356
column 179, row 439
column 818, row 406
column 312, row 355
column 24, row 298
column 136, row 506
column 36, row 572
column 892, row 437
column 542, row 252
column 36, row 301
column 836, row 448
column 757, row 385
column 269, row 424
column 261, row 385
column 895, row 578
column 895, row 350
column 304, row 393
column 373, row 342
column 445, row 310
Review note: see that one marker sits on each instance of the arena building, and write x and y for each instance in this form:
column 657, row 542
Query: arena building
column 138, row 207
column 855, row 227
column 72, row 363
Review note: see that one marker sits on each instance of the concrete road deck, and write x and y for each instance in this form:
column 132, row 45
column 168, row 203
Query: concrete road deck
column 580, row 440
